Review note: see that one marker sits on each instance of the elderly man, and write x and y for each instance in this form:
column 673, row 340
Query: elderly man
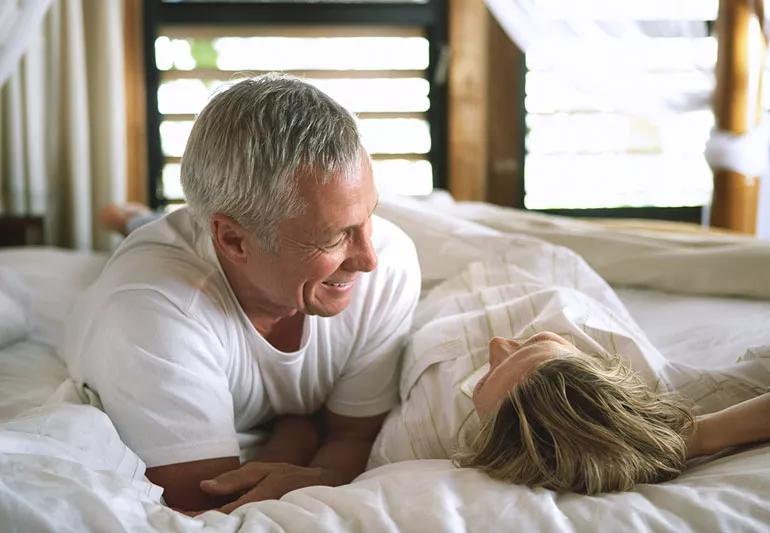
column 274, row 297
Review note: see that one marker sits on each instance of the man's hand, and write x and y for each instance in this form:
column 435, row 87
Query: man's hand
column 180, row 482
column 264, row 481
column 345, row 446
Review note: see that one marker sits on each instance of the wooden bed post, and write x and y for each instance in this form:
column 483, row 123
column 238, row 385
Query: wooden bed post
column 468, row 96
column 136, row 124
column 738, row 105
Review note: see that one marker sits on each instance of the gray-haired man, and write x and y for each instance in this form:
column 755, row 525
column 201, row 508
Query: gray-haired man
column 275, row 296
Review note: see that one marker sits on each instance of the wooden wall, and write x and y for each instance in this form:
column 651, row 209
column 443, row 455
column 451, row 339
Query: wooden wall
column 485, row 145
column 486, row 131
column 136, row 123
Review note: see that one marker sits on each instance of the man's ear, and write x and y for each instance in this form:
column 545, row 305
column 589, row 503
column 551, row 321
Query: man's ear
column 230, row 238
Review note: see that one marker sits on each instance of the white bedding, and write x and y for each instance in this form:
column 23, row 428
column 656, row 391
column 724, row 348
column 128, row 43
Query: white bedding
column 65, row 470
column 533, row 287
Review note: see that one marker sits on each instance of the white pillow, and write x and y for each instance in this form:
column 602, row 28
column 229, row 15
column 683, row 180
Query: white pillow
column 15, row 324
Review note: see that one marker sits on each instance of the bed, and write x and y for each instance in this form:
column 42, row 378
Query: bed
column 702, row 298
column 65, row 468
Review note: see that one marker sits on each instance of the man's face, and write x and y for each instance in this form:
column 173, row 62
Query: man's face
column 322, row 252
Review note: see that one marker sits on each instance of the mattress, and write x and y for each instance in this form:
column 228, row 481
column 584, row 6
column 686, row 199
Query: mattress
column 65, row 469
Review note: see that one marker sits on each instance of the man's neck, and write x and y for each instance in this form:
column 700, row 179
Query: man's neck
column 267, row 318
column 286, row 334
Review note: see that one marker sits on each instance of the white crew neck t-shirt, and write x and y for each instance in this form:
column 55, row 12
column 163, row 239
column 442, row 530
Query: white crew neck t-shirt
column 180, row 369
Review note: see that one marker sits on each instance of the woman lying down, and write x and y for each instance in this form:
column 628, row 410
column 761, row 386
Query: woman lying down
column 568, row 394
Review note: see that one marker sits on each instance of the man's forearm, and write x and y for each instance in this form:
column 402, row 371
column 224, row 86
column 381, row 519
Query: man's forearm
column 342, row 459
column 344, row 451
column 294, row 440
column 743, row 423
column 338, row 461
column 345, row 447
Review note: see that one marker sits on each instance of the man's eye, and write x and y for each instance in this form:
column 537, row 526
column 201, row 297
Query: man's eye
column 336, row 243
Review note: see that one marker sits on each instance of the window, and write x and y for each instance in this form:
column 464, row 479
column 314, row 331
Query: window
column 378, row 67
column 596, row 139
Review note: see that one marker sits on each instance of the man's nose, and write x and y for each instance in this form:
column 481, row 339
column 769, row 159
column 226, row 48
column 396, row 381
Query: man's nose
column 364, row 258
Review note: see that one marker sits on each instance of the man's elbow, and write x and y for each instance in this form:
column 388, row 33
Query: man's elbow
column 181, row 483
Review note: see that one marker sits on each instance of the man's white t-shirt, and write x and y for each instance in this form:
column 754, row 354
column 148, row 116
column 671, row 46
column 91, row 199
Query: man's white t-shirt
column 180, row 369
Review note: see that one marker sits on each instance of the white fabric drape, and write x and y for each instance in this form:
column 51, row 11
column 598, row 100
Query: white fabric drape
column 588, row 33
column 570, row 23
column 528, row 22
column 62, row 147
column 17, row 17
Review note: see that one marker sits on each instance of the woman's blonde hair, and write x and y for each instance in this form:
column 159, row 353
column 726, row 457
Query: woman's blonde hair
column 582, row 423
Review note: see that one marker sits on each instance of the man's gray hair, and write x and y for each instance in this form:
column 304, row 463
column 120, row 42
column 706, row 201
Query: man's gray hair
column 253, row 142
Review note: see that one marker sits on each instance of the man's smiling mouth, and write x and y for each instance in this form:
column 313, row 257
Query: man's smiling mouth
column 340, row 284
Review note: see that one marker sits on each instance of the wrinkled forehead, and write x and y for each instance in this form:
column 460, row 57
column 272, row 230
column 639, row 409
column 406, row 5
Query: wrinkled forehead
column 337, row 204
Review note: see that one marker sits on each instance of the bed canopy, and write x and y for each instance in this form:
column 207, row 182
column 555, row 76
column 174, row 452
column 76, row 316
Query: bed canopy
column 20, row 22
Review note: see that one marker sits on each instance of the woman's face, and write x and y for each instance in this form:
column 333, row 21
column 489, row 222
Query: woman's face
column 510, row 362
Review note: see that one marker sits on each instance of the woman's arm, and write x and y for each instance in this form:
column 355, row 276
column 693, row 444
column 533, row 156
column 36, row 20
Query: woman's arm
column 742, row 423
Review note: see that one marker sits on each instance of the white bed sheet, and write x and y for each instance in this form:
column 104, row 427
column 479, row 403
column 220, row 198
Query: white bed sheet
column 54, row 278
column 53, row 481
column 700, row 331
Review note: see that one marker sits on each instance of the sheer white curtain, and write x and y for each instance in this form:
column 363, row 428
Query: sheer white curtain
column 537, row 24
column 586, row 32
column 62, row 111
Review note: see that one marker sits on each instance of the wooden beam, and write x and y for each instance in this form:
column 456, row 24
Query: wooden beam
column 212, row 31
column 505, row 124
column 170, row 159
column 363, row 115
column 468, row 96
column 136, row 125
column 399, row 157
column 374, row 115
column 738, row 106
column 224, row 75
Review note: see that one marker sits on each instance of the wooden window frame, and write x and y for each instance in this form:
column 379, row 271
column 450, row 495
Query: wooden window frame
column 487, row 126
column 430, row 16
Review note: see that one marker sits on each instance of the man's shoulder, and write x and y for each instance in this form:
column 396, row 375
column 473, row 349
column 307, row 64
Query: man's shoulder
column 161, row 259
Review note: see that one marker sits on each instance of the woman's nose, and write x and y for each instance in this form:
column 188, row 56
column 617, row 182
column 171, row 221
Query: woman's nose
column 515, row 344
column 499, row 349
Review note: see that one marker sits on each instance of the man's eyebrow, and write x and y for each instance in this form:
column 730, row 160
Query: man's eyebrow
column 330, row 233
column 376, row 204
